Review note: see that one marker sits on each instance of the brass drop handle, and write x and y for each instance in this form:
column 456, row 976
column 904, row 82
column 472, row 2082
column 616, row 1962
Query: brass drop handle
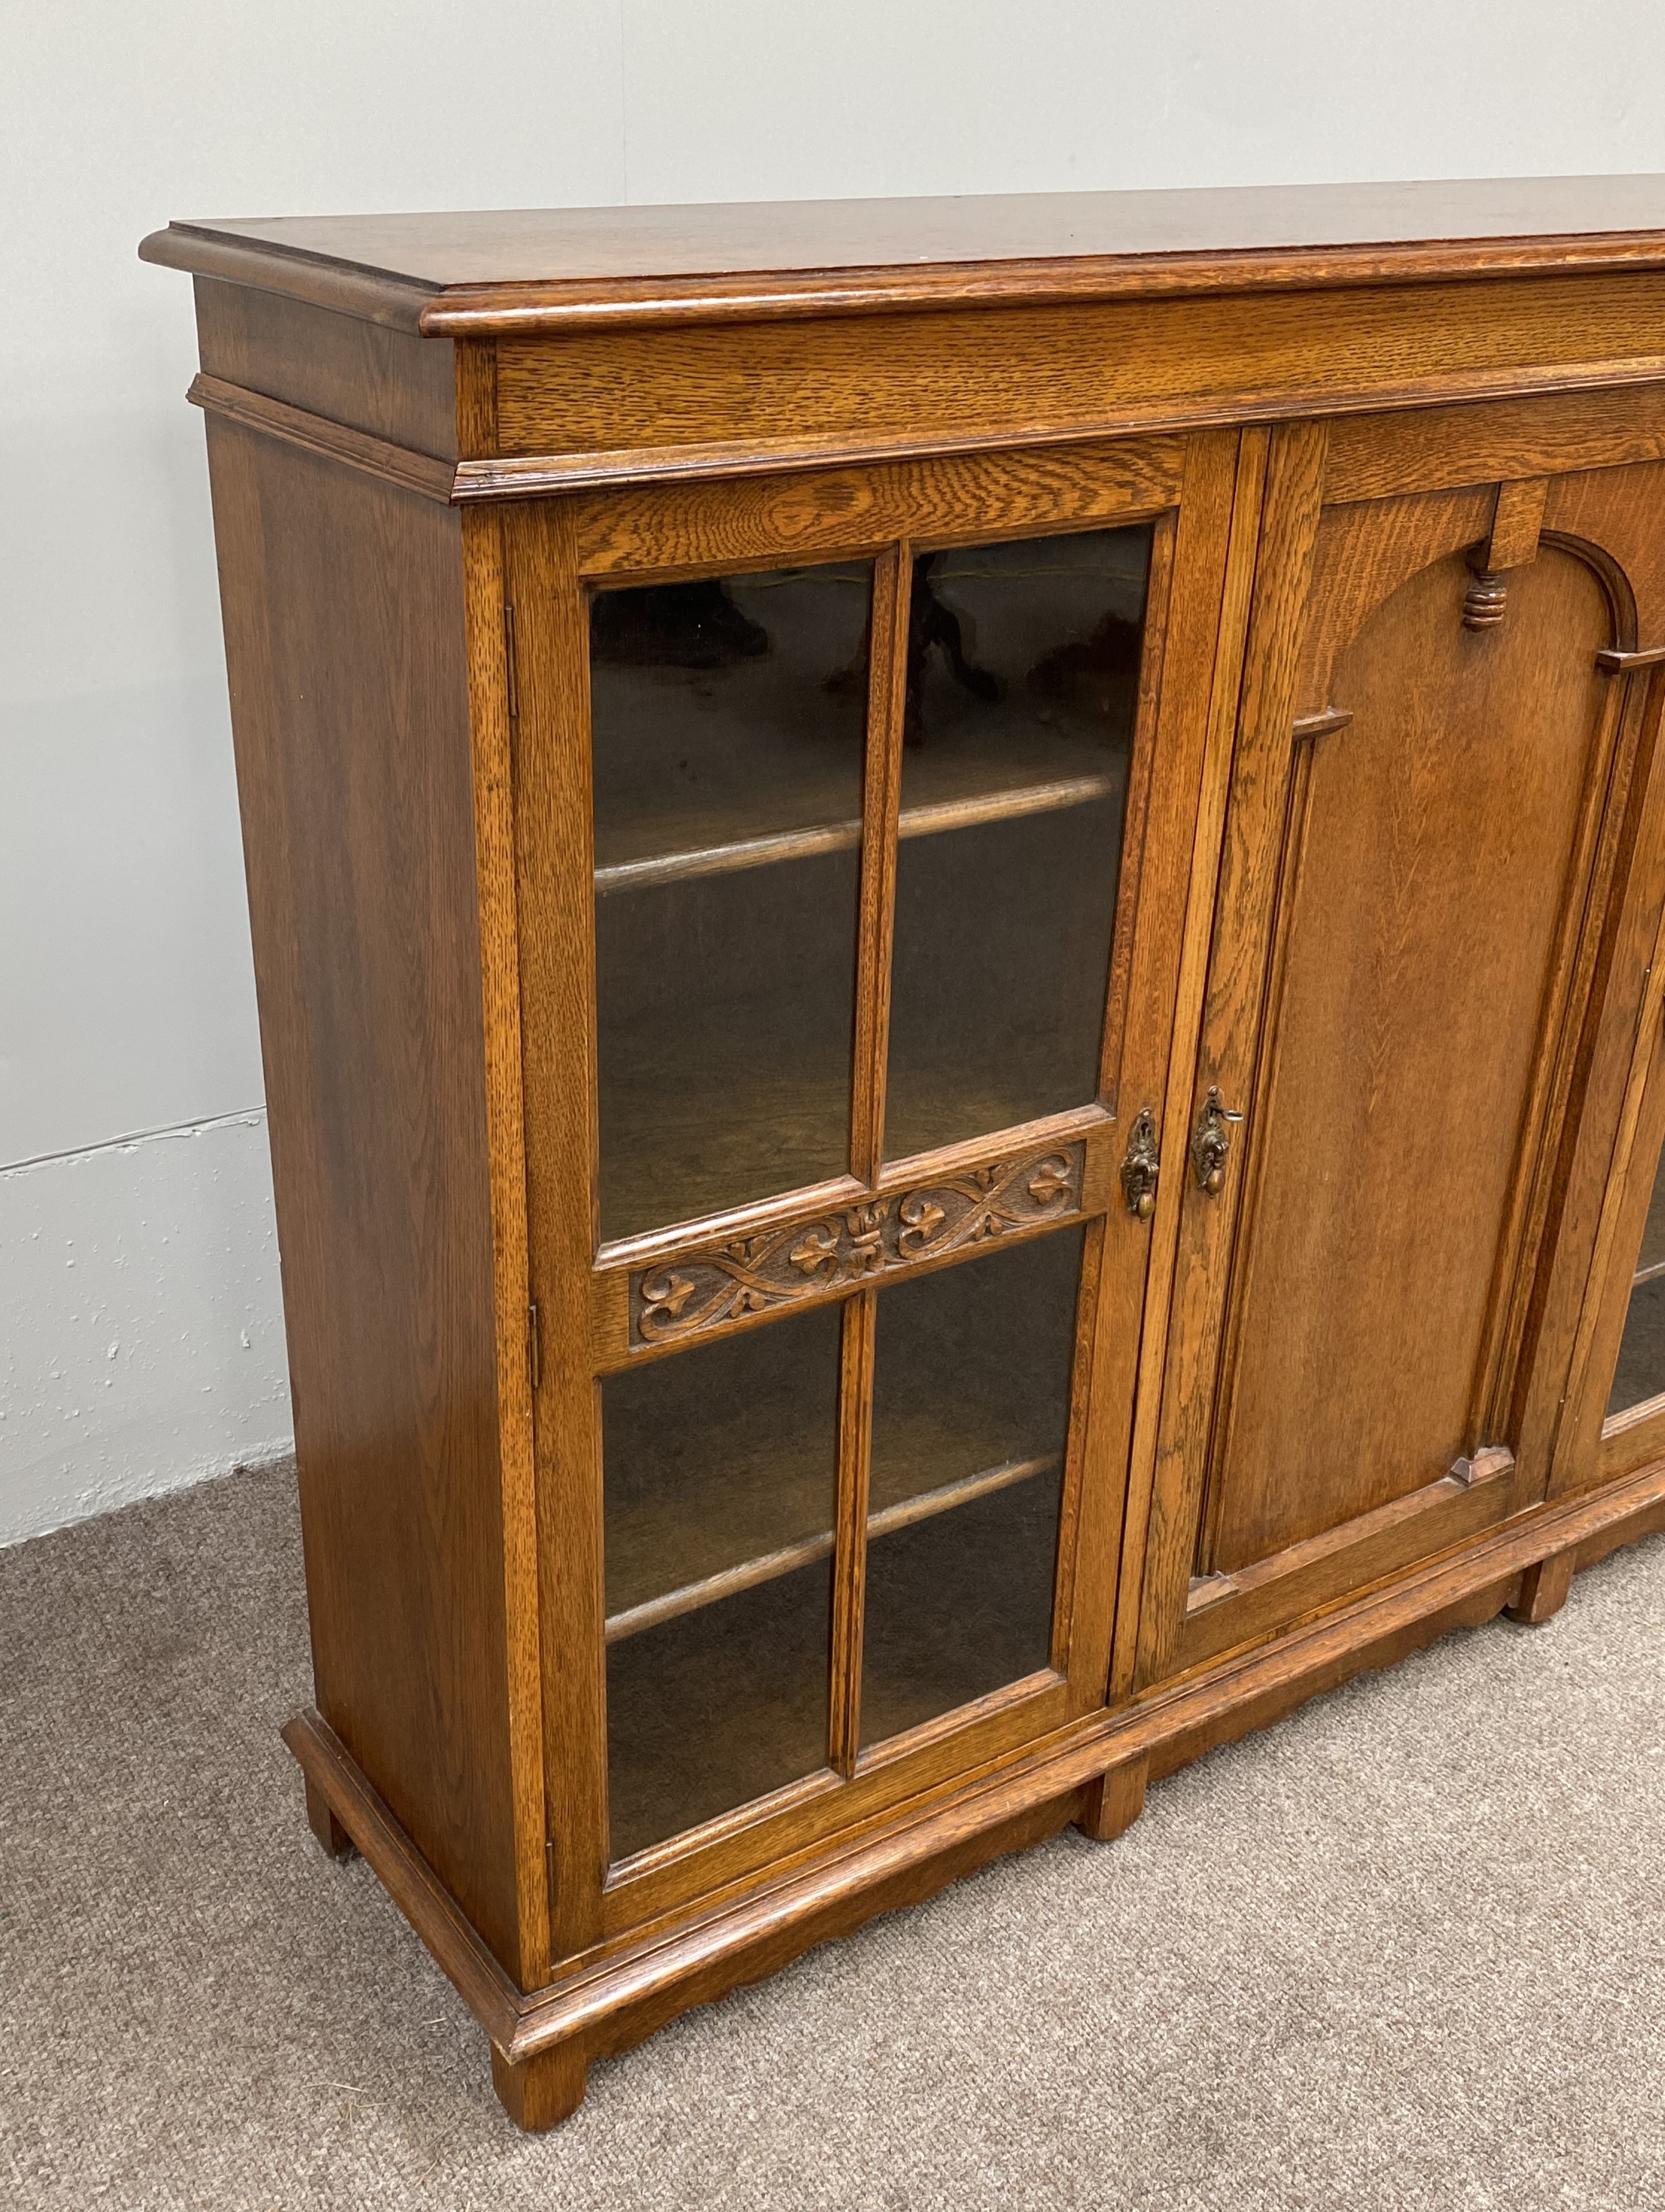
column 1141, row 1165
column 1211, row 1142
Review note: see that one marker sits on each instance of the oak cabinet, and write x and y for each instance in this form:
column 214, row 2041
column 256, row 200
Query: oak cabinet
column 955, row 911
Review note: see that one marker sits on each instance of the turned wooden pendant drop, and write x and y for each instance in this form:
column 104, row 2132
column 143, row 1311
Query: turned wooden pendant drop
column 1485, row 600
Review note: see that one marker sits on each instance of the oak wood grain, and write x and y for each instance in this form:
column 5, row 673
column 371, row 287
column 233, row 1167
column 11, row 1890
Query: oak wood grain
column 320, row 434
column 344, row 605
column 555, row 872
column 1544, row 1589
column 1441, row 448
column 1295, row 820
column 343, row 371
column 985, row 377
column 1111, row 1805
column 571, row 268
column 1217, row 676
column 1174, row 1450
column 492, row 736
column 670, row 529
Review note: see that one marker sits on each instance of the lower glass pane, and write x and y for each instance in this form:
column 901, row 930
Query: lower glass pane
column 716, row 1707
column 1640, row 1374
column 719, row 1475
column 970, row 1417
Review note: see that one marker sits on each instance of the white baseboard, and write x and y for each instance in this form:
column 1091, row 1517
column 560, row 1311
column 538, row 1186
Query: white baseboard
column 141, row 1322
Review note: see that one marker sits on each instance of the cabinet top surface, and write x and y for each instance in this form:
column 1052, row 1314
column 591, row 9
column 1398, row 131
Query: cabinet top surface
column 522, row 270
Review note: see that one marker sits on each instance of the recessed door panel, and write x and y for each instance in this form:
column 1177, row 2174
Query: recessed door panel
column 971, row 1407
column 1430, row 842
column 720, row 1472
column 1425, row 831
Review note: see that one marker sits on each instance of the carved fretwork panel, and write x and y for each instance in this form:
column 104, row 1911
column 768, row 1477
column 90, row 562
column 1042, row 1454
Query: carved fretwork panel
column 832, row 1252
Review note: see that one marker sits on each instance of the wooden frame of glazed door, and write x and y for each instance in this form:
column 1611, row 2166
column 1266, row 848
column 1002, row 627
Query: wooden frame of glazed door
column 593, row 1298
column 1615, row 1172
column 1495, row 562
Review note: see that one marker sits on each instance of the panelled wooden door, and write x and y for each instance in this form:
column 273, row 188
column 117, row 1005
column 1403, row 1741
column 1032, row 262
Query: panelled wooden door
column 855, row 816
column 1431, row 806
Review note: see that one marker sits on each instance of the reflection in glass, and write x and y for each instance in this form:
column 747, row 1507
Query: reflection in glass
column 728, row 717
column 719, row 1470
column 1023, row 681
column 1640, row 1374
column 970, row 1414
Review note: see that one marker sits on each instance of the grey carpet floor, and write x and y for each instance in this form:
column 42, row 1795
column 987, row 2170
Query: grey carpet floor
column 1405, row 1949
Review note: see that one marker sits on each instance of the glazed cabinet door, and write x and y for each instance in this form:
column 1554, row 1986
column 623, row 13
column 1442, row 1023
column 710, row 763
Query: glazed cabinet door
column 1432, row 816
column 854, row 817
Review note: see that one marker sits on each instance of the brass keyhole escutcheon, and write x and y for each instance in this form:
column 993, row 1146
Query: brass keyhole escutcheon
column 1211, row 1142
column 1141, row 1165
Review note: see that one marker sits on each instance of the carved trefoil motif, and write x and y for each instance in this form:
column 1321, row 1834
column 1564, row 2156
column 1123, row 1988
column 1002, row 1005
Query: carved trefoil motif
column 842, row 1249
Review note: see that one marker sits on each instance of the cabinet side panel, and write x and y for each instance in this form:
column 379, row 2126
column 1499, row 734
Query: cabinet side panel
column 343, row 600
column 373, row 378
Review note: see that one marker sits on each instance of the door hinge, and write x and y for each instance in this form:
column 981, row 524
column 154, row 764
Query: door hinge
column 508, row 659
column 534, row 1348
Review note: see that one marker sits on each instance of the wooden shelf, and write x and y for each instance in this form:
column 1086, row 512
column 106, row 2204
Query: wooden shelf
column 929, row 820
column 751, row 1573
column 761, row 795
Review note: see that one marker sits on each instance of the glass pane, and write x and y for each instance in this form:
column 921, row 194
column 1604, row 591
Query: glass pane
column 970, row 1412
column 728, row 717
column 1022, row 685
column 1640, row 1374
column 719, row 1471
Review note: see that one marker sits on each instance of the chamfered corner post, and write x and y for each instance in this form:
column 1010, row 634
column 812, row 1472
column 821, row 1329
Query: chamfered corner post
column 1110, row 1805
column 541, row 2090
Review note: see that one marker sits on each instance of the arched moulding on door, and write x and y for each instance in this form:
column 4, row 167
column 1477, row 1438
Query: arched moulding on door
column 1433, row 869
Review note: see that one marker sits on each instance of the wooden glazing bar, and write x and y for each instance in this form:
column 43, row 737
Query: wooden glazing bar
column 887, row 690
column 553, row 816
column 855, row 1451
column 1088, row 1288
column 844, row 836
column 751, row 1573
column 1158, row 588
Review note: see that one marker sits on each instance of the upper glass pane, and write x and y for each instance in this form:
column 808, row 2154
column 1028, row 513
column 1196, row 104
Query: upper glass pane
column 1640, row 1374
column 728, row 717
column 719, row 1477
column 971, row 1396
column 1023, row 683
